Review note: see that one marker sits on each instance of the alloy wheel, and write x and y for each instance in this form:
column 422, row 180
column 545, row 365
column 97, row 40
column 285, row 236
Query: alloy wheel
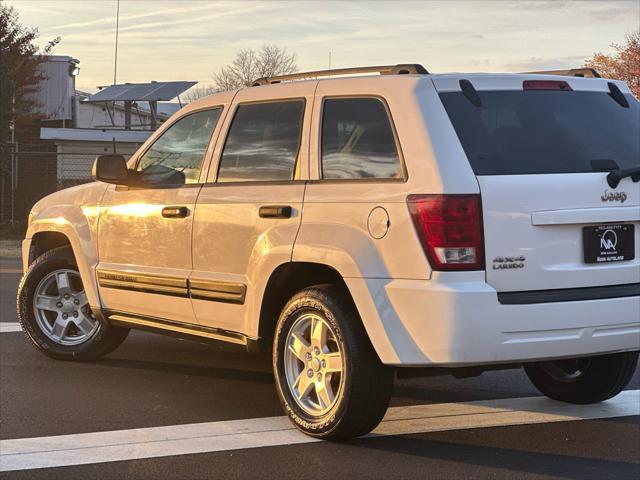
column 314, row 364
column 62, row 310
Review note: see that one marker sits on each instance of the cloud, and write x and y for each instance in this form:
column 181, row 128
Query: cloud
column 554, row 63
column 178, row 40
column 124, row 18
column 538, row 5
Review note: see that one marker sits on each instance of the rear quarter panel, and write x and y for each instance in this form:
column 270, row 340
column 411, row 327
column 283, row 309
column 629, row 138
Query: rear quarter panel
column 336, row 212
column 335, row 226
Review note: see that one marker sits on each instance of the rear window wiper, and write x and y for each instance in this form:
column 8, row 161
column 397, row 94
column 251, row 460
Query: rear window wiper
column 614, row 177
column 615, row 172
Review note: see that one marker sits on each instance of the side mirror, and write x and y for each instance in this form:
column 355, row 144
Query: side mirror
column 110, row 169
column 161, row 176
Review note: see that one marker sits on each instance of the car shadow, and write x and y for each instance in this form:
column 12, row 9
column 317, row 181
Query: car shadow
column 189, row 369
column 518, row 462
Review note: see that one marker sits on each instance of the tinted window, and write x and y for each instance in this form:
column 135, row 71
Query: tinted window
column 357, row 140
column 527, row 132
column 263, row 142
column 182, row 146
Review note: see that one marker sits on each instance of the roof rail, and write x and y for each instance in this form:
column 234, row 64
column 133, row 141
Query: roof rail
column 573, row 72
column 400, row 69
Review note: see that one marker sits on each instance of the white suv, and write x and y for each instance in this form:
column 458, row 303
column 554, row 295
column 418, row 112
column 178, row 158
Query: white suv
column 359, row 226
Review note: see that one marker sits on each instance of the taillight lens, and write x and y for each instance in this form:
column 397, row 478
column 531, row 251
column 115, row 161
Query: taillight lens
column 450, row 229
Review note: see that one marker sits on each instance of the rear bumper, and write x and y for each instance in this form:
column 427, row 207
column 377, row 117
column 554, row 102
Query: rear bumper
column 458, row 321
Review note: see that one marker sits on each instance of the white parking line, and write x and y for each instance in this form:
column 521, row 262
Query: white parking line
column 84, row 448
column 8, row 327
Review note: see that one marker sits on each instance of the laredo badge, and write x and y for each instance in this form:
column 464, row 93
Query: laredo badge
column 504, row 263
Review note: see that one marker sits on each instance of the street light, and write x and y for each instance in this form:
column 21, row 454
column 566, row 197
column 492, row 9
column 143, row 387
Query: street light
column 74, row 69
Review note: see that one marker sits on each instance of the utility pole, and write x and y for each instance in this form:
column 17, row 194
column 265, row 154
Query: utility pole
column 115, row 61
column 14, row 162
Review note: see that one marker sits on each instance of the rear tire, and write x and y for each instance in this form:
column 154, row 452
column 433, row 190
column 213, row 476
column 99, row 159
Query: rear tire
column 60, row 323
column 584, row 380
column 348, row 388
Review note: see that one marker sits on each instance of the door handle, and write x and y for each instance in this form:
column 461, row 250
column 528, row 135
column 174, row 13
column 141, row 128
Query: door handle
column 175, row 212
column 275, row 211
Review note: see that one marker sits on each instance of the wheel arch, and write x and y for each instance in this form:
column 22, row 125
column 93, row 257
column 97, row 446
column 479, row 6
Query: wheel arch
column 49, row 234
column 369, row 302
column 42, row 242
column 285, row 281
column 68, row 217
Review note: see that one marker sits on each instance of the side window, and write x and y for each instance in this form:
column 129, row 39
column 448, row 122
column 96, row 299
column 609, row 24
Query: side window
column 182, row 146
column 263, row 142
column 358, row 140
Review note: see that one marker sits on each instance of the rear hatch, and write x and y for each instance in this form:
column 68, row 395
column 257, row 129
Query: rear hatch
column 541, row 148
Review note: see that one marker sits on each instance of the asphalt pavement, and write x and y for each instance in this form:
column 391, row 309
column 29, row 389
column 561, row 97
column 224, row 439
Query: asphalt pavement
column 222, row 419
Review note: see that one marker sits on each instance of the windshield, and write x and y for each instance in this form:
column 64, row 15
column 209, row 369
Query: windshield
column 530, row 132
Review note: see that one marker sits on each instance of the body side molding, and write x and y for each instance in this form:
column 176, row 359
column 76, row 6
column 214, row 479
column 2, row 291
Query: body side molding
column 218, row 291
column 160, row 284
column 227, row 292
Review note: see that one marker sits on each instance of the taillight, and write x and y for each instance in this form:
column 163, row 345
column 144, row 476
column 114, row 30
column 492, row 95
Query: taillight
column 450, row 229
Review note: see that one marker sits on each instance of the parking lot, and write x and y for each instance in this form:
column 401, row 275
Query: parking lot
column 220, row 418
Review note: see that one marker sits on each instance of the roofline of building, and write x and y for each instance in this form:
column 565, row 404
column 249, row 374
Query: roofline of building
column 94, row 135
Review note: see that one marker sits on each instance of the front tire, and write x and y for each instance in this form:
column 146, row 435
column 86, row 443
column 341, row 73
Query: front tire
column 583, row 380
column 330, row 381
column 54, row 312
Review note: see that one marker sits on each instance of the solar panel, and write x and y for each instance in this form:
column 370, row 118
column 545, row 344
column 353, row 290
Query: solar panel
column 141, row 92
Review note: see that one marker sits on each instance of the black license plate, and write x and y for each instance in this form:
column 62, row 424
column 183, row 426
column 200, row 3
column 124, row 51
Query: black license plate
column 608, row 243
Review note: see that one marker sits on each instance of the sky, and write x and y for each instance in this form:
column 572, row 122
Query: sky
column 190, row 40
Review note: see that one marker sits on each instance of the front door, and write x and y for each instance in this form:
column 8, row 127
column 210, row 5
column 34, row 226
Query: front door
column 145, row 233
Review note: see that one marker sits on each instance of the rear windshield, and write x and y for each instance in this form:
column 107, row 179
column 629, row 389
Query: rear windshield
column 528, row 132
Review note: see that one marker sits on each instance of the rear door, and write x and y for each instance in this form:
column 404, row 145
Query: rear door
column 538, row 150
column 249, row 211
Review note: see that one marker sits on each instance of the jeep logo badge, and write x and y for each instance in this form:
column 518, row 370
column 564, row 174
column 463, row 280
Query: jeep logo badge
column 614, row 196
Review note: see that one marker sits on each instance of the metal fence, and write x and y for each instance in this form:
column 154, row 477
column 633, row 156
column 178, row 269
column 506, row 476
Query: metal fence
column 30, row 172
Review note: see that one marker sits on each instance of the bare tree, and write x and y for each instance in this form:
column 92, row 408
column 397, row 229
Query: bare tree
column 273, row 60
column 199, row 91
column 250, row 64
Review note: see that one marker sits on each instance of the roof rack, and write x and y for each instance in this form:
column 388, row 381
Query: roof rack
column 400, row 69
column 573, row 72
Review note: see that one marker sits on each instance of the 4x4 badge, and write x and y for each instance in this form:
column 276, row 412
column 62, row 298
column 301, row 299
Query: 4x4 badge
column 614, row 196
column 502, row 263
